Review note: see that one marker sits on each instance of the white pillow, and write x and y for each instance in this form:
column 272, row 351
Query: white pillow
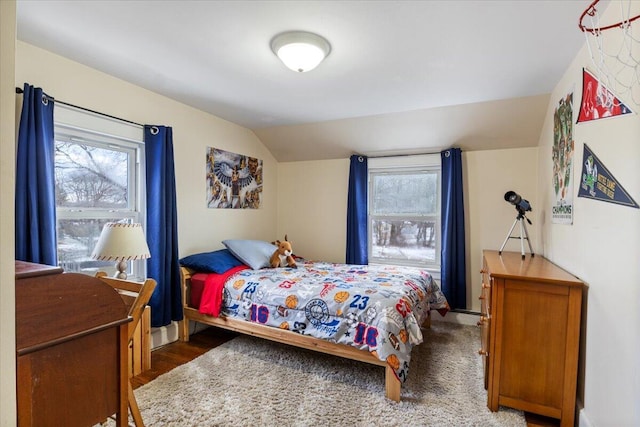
column 254, row 253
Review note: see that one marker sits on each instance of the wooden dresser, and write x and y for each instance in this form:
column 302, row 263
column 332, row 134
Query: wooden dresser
column 71, row 345
column 530, row 335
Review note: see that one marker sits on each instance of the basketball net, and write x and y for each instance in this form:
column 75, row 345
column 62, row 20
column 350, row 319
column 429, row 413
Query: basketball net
column 615, row 50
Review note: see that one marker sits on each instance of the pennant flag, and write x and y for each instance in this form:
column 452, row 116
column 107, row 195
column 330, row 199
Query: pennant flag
column 598, row 183
column 597, row 101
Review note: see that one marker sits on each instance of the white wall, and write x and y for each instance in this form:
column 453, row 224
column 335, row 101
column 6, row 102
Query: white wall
column 199, row 228
column 312, row 206
column 7, row 229
column 487, row 176
column 602, row 248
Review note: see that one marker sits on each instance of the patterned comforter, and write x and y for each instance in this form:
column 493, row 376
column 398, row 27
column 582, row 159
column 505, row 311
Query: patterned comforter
column 376, row 307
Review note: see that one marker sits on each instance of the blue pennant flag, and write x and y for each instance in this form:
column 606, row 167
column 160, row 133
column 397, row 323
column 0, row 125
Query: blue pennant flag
column 599, row 184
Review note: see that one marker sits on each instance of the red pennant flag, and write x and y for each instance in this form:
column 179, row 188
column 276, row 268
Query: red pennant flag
column 597, row 101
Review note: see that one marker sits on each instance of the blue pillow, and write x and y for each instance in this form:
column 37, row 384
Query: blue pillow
column 254, row 253
column 211, row 262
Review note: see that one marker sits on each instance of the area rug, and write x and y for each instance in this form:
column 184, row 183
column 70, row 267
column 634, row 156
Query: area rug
column 253, row 382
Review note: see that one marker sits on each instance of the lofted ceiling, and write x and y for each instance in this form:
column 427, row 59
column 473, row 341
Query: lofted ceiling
column 402, row 76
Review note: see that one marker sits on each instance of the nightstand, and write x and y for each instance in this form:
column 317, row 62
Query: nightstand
column 140, row 346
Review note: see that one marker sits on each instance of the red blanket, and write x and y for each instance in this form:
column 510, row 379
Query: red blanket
column 212, row 295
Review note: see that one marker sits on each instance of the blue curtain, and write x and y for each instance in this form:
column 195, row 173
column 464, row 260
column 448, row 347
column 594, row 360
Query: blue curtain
column 35, row 203
column 162, row 226
column 453, row 269
column 357, row 212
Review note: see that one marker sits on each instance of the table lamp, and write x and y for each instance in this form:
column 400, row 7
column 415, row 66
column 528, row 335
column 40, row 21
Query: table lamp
column 121, row 242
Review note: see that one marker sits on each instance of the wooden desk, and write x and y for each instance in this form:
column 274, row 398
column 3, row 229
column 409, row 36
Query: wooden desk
column 71, row 345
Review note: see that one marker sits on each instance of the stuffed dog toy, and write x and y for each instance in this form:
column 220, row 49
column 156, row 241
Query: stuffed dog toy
column 282, row 257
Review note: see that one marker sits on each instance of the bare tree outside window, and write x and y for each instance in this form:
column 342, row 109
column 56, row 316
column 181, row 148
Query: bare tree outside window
column 90, row 177
column 95, row 183
column 404, row 217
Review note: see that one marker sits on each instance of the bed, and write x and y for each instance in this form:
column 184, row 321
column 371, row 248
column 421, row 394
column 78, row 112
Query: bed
column 369, row 313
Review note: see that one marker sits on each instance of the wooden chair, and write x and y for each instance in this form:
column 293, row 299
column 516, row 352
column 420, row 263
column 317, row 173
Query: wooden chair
column 136, row 296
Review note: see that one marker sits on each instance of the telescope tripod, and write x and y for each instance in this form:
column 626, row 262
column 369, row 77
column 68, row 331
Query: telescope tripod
column 524, row 235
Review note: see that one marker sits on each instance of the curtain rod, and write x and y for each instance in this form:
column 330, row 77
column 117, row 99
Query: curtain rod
column 19, row 91
column 384, row 156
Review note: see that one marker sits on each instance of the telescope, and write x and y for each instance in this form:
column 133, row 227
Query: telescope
column 517, row 200
column 522, row 206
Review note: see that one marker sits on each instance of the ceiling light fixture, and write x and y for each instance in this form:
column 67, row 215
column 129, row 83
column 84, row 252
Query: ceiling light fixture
column 299, row 50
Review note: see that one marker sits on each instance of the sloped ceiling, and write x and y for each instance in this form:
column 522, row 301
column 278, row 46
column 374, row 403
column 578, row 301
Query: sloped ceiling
column 402, row 76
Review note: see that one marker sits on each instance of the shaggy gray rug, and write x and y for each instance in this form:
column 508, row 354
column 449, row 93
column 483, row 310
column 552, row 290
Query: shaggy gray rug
column 253, row 382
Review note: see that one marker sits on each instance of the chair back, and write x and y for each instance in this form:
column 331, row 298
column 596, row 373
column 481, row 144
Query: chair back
column 136, row 296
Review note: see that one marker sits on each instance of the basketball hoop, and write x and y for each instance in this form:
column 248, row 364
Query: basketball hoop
column 615, row 49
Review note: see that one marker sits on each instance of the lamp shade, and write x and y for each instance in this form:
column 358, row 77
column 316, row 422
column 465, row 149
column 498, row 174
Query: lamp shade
column 121, row 242
column 299, row 50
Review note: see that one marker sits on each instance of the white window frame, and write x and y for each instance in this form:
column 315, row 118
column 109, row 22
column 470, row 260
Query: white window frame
column 76, row 125
column 400, row 165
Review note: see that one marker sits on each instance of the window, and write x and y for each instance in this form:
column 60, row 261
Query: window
column 98, row 180
column 404, row 211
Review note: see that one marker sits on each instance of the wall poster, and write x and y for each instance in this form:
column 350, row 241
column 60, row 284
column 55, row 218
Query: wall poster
column 562, row 156
column 600, row 184
column 234, row 181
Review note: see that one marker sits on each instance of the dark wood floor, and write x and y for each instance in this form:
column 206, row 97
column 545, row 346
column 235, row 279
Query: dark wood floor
column 166, row 358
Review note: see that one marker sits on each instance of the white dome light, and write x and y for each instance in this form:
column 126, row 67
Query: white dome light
column 299, row 50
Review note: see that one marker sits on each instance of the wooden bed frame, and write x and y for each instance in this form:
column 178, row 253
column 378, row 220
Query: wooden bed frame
column 392, row 384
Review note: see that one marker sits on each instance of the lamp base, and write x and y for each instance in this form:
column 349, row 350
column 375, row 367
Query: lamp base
column 121, row 267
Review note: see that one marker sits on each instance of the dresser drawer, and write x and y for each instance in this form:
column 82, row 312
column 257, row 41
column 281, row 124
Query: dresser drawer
column 485, row 323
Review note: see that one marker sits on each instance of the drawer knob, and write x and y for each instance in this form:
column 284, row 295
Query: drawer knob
column 482, row 320
column 482, row 297
column 485, row 285
column 482, row 352
column 482, row 271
